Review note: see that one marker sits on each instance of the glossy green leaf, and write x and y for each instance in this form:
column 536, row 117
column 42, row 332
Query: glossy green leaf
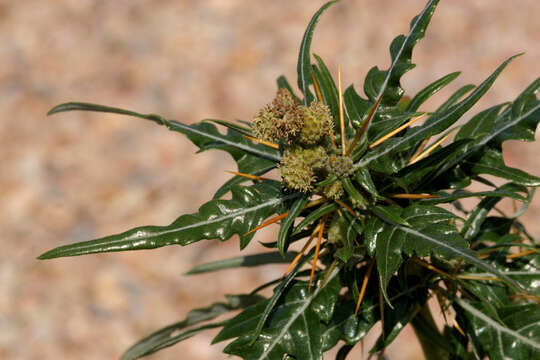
column 492, row 163
column 184, row 329
column 437, row 123
column 329, row 91
column 286, row 225
column 202, row 134
column 430, row 90
column 304, row 59
column 387, row 82
column 217, row 219
column 315, row 215
column 518, row 338
column 454, row 98
column 295, row 326
column 391, row 240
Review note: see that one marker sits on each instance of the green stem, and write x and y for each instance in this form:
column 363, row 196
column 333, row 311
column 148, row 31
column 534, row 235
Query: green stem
column 426, row 330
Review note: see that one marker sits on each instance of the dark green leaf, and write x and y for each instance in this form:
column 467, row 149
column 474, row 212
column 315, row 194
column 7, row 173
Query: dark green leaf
column 437, row 123
column 172, row 334
column 304, row 60
column 294, row 328
column 454, row 98
column 202, row 134
column 217, row 219
column 284, row 230
column 429, row 90
column 518, row 339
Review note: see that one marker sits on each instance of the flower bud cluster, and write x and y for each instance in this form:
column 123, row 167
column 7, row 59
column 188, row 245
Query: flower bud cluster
column 303, row 133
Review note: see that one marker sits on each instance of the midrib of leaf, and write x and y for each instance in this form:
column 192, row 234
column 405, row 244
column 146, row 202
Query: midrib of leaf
column 175, row 125
column 412, row 30
column 483, row 141
column 464, row 255
column 507, row 125
column 496, row 326
column 424, row 131
column 304, row 61
column 148, row 237
column 296, row 314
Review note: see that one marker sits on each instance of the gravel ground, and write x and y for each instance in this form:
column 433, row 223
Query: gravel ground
column 78, row 176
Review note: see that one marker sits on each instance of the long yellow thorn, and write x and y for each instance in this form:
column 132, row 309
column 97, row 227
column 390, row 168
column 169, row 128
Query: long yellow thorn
column 394, row 132
column 520, row 254
column 456, row 325
column 364, row 285
column 422, row 146
column 279, row 217
column 364, row 126
column 414, row 196
column 299, row 255
column 431, row 148
column 249, row 176
column 317, row 89
column 332, row 266
column 432, row 268
column 341, row 119
column 269, row 144
column 347, row 207
column 317, row 249
column 481, row 278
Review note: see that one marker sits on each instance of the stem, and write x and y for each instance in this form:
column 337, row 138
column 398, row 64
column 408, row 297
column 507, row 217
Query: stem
column 432, row 351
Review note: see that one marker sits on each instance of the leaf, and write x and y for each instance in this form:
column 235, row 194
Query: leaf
column 278, row 292
column 519, row 339
column 202, row 134
column 328, row 89
column 516, row 115
column 304, row 59
column 387, row 82
column 170, row 335
column 454, row 98
column 315, row 215
column 480, row 124
column 217, row 219
column 295, row 209
column 430, row 232
column 392, row 240
column 243, row 261
column 252, row 166
column 437, row 123
column 429, row 90
column 283, row 83
column 492, row 163
column 294, row 328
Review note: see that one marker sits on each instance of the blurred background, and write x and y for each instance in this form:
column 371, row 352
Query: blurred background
column 78, row 176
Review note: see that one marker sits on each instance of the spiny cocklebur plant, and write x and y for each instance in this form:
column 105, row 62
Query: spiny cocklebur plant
column 374, row 204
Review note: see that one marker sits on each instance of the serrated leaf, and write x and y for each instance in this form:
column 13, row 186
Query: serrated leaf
column 437, row 123
column 217, row 219
column 387, row 83
column 204, row 135
column 304, row 59
column 294, row 328
column 518, row 339
column 492, row 163
column 173, row 334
